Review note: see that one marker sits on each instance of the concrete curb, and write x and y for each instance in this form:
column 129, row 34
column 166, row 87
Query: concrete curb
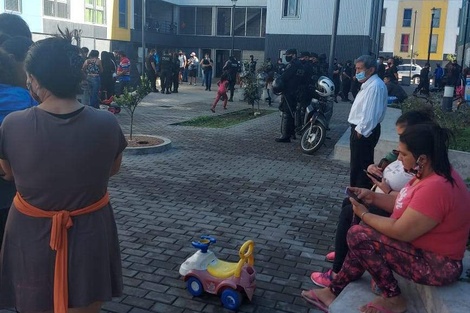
column 166, row 145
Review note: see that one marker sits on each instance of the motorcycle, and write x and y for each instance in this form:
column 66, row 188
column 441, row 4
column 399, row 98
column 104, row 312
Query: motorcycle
column 317, row 117
column 316, row 122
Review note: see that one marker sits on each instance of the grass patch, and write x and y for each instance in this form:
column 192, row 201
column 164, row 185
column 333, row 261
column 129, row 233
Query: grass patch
column 462, row 140
column 225, row 120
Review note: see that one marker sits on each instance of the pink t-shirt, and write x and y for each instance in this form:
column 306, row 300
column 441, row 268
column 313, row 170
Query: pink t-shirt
column 449, row 206
column 223, row 86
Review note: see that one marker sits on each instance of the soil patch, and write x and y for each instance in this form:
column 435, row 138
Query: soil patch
column 225, row 120
column 143, row 141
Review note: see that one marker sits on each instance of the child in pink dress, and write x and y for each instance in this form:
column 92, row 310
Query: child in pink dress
column 221, row 92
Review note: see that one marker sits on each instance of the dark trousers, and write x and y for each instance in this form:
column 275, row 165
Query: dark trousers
column 176, row 82
column 3, row 222
column 345, row 87
column 345, row 222
column 152, row 77
column 166, row 80
column 362, row 155
column 208, row 79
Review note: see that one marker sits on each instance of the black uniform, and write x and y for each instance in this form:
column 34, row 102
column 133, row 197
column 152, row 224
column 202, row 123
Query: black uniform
column 150, row 69
column 231, row 67
column 175, row 72
column 166, row 65
column 292, row 77
column 304, row 95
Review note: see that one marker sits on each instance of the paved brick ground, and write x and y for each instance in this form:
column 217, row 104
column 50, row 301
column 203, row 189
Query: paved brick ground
column 234, row 184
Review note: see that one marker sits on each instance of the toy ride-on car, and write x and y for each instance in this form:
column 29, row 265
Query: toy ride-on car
column 204, row 272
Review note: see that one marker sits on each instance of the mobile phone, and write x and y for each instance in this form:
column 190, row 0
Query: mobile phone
column 378, row 178
column 351, row 194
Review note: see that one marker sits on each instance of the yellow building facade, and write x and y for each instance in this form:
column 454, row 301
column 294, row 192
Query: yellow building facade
column 413, row 27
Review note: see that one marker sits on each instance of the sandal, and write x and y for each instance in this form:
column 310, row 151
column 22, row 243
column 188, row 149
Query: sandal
column 379, row 308
column 312, row 298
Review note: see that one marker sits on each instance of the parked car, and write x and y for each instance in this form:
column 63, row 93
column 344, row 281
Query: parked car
column 404, row 70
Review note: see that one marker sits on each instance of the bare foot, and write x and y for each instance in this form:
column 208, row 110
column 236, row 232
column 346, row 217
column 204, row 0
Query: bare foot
column 395, row 304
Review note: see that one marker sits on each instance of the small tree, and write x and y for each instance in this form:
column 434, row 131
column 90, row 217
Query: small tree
column 251, row 91
column 130, row 99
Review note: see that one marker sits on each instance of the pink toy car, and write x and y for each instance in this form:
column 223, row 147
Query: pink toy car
column 204, row 272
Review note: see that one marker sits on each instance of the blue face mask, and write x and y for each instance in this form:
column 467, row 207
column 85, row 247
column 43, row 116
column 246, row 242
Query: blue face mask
column 361, row 75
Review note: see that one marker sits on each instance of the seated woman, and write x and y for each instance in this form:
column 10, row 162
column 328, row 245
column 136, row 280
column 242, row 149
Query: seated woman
column 425, row 237
column 393, row 180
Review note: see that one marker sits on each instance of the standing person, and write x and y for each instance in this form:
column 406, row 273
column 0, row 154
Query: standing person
column 232, row 68
column 279, row 67
column 108, row 75
column 367, row 111
column 291, row 78
column 221, row 92
column 175, row 70
column 438, row 75
column 123, row 72
column 423, row 86
column 424, row 239
column 93, row 68
column 151, row 69
column 252, row 64
column 347, row 75
column 166, row 66
column 337, row 70
column 207, row 65
column 50, row 190
column 182, row 59
column 84, row 85
column 391, row 71
column 193, row 64
column 381, row 67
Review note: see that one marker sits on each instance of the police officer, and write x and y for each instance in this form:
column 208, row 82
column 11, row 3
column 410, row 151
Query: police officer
column 305, row 91
column 175, row 72
column 292, row 77
column 166, row 66
column 231, row 67
column 315, row 66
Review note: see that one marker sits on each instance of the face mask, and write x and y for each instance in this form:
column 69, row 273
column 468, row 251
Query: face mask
column 288, row 58
column 361, row 76
column 32, row 93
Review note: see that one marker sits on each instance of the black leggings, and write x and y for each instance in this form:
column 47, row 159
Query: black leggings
column 345, row 222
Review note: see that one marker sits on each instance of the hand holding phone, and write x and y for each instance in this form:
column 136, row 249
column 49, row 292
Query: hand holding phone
column 378, row 178
column 351, row 194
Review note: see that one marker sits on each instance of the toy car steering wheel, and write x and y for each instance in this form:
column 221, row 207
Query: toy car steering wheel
column 204, row 243
column 246, row 251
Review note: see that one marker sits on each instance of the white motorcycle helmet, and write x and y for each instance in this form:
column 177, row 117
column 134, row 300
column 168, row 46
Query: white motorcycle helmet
column 325, row 87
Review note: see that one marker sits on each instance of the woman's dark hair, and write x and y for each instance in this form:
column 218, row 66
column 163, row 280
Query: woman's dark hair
column 8, row 72
column 61, row 77
column 13, row 25
column 433, row 141
column 17, row 46
column 94, row 54
column 415, row 117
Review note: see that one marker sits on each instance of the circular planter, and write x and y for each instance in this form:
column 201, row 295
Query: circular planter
column 164, row 145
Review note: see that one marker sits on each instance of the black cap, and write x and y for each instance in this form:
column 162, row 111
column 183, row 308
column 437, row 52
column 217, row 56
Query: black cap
column 304, row 54
column 313, row 55
column 291, row 51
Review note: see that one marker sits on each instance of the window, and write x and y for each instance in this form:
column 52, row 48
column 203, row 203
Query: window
column 95, row 11
column 203, row 21
column 291, row 8
column 188, row 20
column 384, row 17
column 434, row 43
column 56, row 8
column 224, row 21
column 437, row 18
column 407, row 13
column 253, row 22
column 405, row 42
column 381, row 43
column 123, row 13
column 239, row 21
column 459, row 21
column 263, row 22
column 13, row 5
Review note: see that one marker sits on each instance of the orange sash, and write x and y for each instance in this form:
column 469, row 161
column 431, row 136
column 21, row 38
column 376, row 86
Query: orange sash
column 61, row 222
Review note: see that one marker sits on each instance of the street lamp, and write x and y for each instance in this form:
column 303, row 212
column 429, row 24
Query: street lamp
column 433, row 10
column 234, row 2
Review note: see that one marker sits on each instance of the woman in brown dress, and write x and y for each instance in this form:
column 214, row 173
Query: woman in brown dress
column 61, row 155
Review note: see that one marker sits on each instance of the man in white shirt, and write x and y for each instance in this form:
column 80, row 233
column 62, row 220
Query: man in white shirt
column 367, row 111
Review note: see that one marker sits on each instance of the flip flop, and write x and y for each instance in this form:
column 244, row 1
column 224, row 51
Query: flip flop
column 379, row 308
column 312, row 298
